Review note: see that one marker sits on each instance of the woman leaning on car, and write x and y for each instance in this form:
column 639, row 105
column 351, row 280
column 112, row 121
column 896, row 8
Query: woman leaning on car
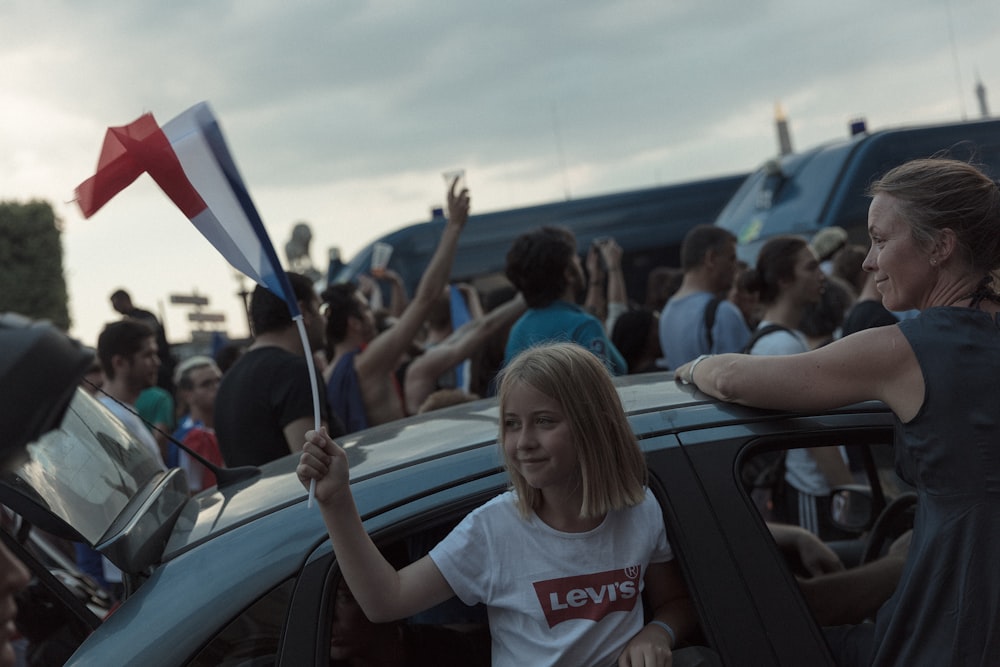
column 935, row 245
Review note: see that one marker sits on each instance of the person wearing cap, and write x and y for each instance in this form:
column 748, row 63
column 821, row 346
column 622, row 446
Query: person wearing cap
column 826, row 243
column 197, row 379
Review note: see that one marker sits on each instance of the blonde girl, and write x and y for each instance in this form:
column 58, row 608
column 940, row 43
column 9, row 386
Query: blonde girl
column 562, row 559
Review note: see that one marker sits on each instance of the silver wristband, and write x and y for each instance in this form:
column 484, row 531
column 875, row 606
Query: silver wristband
column 694, row 365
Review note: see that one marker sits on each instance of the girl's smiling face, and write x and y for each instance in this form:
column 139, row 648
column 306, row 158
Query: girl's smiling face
column 901, row 267
column 538, row 440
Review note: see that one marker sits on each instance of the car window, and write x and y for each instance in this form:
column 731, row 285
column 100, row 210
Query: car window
column 251, row 639
column 451, row 633
column 831, row 510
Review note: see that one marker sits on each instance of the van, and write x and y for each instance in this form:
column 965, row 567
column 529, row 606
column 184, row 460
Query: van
column 649, row 224
column 804, row 192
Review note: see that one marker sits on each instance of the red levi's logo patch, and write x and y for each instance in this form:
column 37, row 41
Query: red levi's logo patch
column 588, row 596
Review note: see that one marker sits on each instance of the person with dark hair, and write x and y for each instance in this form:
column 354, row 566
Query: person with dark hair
column 228, row 355
column 698, row 319
column 361, row 380
column 789, row 280
column 743, row 295
column 127, row 351
column 935, row 243
column 637, row 336
column 121, row 301
column 661, row 284
column 264, row 405
column 544, row 266
column 848, row 265
column 821, row 321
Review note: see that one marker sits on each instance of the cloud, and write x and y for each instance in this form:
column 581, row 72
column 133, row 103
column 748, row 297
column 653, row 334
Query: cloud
column 345, row 114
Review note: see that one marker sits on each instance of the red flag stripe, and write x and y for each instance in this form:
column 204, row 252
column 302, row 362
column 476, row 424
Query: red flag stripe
column 130, row 150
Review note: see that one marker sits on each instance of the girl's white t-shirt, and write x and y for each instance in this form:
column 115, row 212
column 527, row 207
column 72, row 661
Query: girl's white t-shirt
column 554, row 598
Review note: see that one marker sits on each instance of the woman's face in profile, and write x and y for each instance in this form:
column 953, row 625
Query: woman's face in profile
column 902, row 270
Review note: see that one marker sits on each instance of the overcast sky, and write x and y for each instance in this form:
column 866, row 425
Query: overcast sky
column 345, row 113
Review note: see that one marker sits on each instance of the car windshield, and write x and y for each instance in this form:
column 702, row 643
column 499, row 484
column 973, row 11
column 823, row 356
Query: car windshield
column 86, row 471
column 786, row 196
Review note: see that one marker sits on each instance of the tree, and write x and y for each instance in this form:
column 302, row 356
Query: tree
column 31, row 262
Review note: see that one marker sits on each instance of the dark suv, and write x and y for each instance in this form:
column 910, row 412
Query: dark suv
column 825, row 186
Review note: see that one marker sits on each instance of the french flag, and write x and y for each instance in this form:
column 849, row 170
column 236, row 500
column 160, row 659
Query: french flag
column 189, row 160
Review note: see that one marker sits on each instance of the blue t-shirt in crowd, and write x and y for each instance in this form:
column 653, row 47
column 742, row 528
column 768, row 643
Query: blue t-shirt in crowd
column 562, row 321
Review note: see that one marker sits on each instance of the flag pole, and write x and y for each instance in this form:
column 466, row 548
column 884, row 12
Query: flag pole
column 310, row 362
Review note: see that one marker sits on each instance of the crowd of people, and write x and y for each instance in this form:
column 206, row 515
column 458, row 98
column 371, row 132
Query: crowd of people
column 814, row 324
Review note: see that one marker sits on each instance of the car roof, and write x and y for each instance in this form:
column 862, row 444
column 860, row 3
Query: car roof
column 153, row 519
column 429, row 442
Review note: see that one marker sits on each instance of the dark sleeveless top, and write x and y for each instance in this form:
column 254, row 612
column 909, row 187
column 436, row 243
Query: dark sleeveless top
column 946, row 610
column 343, row 391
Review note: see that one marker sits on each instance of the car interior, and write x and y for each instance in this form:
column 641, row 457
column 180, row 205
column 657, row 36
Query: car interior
column 863, row 519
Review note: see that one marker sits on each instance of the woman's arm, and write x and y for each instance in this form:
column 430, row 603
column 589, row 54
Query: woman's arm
column 875, row 364
column 383, row 593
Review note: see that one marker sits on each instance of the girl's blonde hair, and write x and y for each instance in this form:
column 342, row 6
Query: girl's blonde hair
column 613, row 470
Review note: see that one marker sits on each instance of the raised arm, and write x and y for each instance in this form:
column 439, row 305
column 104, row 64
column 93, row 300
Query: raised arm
column 423, row 371
column 397, row 294
column 611, row 252
column 384, row 352
column 472, row 301
column 384, row 593
column 874, row 364
column 595, row 301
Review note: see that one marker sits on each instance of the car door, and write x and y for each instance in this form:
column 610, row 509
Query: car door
column 748, row 597
column 306, row 637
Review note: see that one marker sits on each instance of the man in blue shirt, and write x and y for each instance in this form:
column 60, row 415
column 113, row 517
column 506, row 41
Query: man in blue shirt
column 696, row 319
column 544, row 266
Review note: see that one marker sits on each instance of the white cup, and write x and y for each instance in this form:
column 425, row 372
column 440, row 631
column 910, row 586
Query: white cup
column 451, row 175
column 381, row 252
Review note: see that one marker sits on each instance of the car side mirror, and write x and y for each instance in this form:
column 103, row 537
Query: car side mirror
column 851, row 507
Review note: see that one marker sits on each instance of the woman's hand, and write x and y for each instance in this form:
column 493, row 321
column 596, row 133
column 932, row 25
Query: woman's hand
column 611, row 252
column 324, row 461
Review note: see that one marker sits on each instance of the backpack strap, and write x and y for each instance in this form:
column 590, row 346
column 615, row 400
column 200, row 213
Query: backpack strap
column 711, row 308
column 760, row 333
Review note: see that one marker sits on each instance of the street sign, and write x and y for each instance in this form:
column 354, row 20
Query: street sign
column 189, row 299
column 206, row 317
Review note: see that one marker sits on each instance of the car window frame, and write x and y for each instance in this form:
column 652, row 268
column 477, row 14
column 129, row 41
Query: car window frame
column 714, row 455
